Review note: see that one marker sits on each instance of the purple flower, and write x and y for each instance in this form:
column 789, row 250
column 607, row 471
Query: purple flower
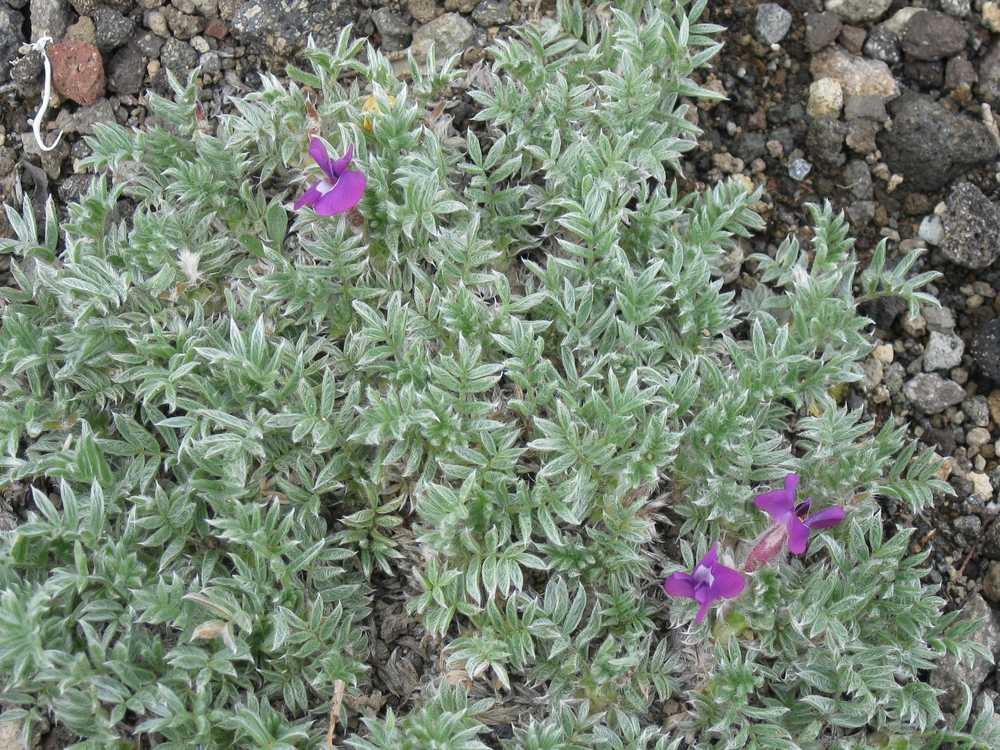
column 784, row 509
column 340, row 190
column 708, row 582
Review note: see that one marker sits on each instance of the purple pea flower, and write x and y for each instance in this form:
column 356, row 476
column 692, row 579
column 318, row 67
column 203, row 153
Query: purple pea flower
column 790, row 516
column 707, row 583
column 341, row 188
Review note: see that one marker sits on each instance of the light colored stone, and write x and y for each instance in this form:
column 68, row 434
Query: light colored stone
column 856, row 75
column 994, row 403
column 943, row 351
column 933, row 394
column 448, row 34
column 826, row 98
column 991, row 15
column 859, row 10
column 977, row 437
column 884, row 353
column 982, row 488
column 897, row 22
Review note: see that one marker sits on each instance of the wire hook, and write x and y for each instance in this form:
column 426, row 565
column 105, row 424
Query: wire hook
column 36, row 123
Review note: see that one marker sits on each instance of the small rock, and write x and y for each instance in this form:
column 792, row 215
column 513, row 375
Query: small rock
column 200, row 44
column 940, row 319
column 157, row 23
column 930, row 146
column 884, row 353
column 993, row 401
column 10, row 39
column 897, row 22
column 865, row 108
column 799, row 169
column 773, row 23
column 952, row 675
column 856, row 75
column 853, row 39
column 77, row 71
column 149, row 44
column 858, row 179
column 914, row 325
column 991, row 15
column 958, row 8
column 825, row 140
column 989, row 76
column 977, row 410
column 982, row 488
column 448, row 34
column 178, row 57
column 210, row 62
column 959, row 72
column 125, row 71
column 216, row 28
column 985, row 349
column 82, row 31
column 933, row 394
column 969, row 525
column 423, row 11
column 822, row 30
column 971, row 228
column 943, row 351
column 112, row 29
column 492, row 13
column 977, row 437
column 49, row 18
column 462, row 6
column 282, row 29
column 859, row 10
column 931, row 230
column 932, row 36
column 826, row 98
column 393, row 30
column 10, row 735
column 85, row 118
column 183, row 25
column 883, row 44
column 991, row 583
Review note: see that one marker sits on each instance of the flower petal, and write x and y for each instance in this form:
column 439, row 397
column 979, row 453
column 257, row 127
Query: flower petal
column 767, row 547
column 339, row 166
column 792, row 485
column 711, row 557
column 702, row 611
column 728, row 583
column 798, row 536
column 344, row 196
column 318, row 152
column 679, row 584
column 826, row 518
column 309, row 197
column 778, row 504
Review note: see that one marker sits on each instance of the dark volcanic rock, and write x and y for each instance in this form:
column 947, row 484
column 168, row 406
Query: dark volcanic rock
column 10, row 39
column 933, row 36
column 930, row 146
column 985, row 349
column 282, row 29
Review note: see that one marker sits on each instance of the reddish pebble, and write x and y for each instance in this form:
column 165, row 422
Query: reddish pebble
column 216, row 29
column 77, row 71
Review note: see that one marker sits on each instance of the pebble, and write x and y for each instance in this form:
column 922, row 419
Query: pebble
column 111, row 28
column 448, row 34
column 48, row 18
column 799, row 169
column 82, row 31
column 938, row 318
column 897, row 22
column 178, row 57
column 982, row 488
column 394, row 31
column 773, row 23
column 993, row 401
column 859, row 10
column 156, row 22
column 883, row 44
column 977, row 437
column 914, row 325
column 77, row 71
column 858, row 76
column 972, row 228
column 933, row 36
column 991, row 15
column 492, row 13
column 959, row 8
column 822, row 29
column 826, row 98
column 929, row 145
column 985, row 349
column 970, row 525
column 931, row 230
column 943, row 351
column 884, row 353
column 183, row 25
column 125, row 71
column 423, row 11
column 933, row 394
column 977, row 409
column 991, row 583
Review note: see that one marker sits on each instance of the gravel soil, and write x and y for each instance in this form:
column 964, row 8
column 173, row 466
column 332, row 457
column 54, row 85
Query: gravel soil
column 882, row 107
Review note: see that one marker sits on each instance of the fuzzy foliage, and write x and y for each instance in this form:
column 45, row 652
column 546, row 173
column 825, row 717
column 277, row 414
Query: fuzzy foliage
column 514, row 381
